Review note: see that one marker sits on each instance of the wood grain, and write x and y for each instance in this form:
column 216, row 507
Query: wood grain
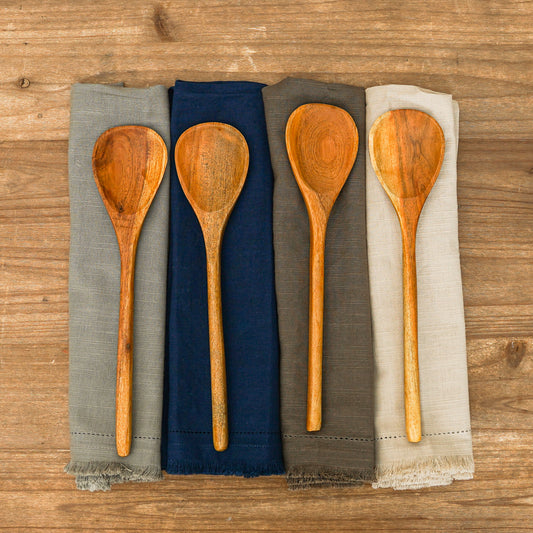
column 322, row 142
column 212, row 165
column 406, row 148
column 478, row 50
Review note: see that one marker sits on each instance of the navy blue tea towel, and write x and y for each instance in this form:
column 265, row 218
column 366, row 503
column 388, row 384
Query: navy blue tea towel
column 248, row 303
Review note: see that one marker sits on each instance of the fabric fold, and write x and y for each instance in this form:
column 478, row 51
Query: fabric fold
column 248, row 304
column 342, row 452
column 94, row 290
column 445, row 451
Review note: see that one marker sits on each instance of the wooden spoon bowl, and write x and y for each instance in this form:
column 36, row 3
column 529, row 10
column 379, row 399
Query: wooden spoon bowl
column 128, row 164
column 212, row 164
column 322, row 142
column 407, row 149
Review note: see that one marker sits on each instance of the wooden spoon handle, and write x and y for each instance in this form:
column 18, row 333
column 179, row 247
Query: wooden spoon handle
column 316, row 325
column 125, row 353
column 219, row 404
column 413, row 424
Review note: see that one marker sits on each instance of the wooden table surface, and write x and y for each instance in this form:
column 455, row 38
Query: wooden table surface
column 481, row 51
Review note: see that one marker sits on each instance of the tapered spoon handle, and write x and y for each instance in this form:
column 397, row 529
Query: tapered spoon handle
column 316, row 324
column 413, row 424
column 219, row 403
column 123, row 401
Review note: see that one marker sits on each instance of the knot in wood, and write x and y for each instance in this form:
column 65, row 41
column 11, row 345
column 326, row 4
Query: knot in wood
column 514, row 353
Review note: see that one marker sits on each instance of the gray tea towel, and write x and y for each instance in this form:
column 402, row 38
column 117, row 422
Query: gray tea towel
column 445, row 451
column 342, row 452
column 94, row 287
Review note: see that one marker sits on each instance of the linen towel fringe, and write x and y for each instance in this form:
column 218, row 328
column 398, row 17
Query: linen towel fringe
column 97, row 475
column 418, row 474
column 300, row 477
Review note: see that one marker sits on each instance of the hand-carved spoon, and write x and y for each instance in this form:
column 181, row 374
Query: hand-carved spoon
column 128, row 165
column 322, row 143
column 212, row 164
column 406, row 149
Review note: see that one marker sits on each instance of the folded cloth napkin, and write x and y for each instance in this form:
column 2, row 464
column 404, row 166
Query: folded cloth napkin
column 342, row 452
column 94, row 289
column 248, row 304
column 445, row 451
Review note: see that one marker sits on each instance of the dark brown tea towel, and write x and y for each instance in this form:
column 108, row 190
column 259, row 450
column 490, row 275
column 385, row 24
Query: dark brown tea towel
column 342, row 452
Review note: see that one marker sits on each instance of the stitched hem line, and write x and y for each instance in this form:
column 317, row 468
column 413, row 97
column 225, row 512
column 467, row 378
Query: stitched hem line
column 426, row 434
column 233, row 469
column 231, row 432
column 363, row 439
column 326, row 437
column 106, row 435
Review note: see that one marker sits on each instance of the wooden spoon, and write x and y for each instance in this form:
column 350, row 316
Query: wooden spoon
column 212, row 163
column 322, row 142
column 406, row 149
column 128, row 165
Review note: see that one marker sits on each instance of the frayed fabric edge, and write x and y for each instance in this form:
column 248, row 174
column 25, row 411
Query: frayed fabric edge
column 99, row 476
column 178, row 468
column 429, row 472
column 301, row 478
